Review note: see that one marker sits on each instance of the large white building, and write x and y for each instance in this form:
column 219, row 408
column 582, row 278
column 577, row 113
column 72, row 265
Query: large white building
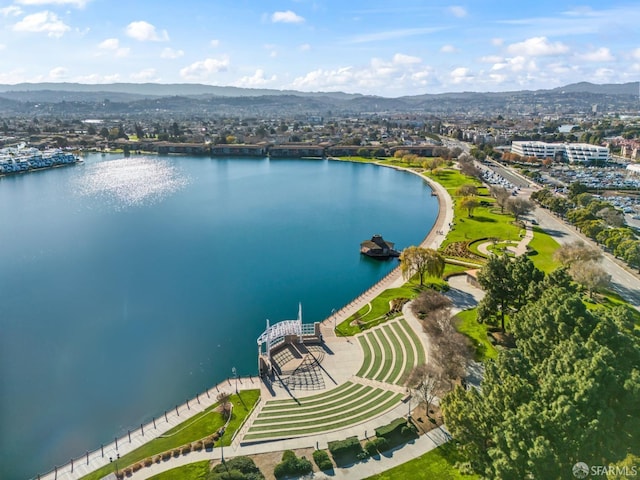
column 573, row 152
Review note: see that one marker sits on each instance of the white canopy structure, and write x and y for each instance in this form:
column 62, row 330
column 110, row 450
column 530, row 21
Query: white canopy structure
column 275, row 334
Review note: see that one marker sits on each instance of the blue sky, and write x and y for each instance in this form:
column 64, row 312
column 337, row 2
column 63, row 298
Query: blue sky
column 372, row 47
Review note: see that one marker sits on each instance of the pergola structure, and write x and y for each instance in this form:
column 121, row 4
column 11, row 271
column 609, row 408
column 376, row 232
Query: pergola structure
column 287, row 331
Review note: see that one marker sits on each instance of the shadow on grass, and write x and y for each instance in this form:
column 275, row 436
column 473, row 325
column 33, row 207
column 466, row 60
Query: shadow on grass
column 481, row 219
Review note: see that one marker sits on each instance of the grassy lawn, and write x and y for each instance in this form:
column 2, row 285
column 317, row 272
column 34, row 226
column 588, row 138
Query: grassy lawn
column 193, row 471
column 467, row 324
column 544, row 245
column 422, row 356
column 399, row 363
column 436, row 464
column 195, row 428
column 363, row 411
column 411, row 358
column 375, row 314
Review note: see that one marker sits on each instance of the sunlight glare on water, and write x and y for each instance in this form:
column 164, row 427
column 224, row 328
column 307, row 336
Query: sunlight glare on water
column 129, row 182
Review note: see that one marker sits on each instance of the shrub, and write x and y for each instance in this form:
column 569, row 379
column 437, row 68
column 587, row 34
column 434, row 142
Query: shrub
column 382, row 444
column 148, row 462
column 371, row 448
column 198, row 445
column 292, row 465
column 166, row 455
column 344, row 450
column 208, row 443
column 237, row 468
column 186, row 449
column 175, row 452
column 322, row 460
column 157, row 458
column 136, row 466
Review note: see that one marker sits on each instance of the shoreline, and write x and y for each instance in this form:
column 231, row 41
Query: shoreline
column 432, row 239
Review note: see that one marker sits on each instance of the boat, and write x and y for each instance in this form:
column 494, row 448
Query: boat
column 23, row 159
column 378, row 247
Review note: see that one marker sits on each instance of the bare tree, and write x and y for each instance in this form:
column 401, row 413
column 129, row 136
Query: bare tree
column 223, row 399
column 519, row 207
column 576, row 252
column 468, row 167
column 590, row 274
column 429, row 386
column 466, row 190
column 501, row 195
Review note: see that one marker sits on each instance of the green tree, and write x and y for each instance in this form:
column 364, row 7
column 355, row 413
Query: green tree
column 568, row 392
column 421, row 261
column 469, row 204
column 507, row 285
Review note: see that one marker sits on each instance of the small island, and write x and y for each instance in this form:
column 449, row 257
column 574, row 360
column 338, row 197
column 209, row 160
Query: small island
column 378, row 247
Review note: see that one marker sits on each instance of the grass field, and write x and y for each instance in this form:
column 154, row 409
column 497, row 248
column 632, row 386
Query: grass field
column 437, row 464
column 193, row 471
column 195, row 428
column 466, row 323
column 544, row 246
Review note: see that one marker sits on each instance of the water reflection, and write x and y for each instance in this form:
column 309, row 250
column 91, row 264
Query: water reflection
column 129, row 182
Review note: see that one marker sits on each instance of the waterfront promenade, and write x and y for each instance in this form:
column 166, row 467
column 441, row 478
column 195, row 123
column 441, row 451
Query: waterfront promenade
column 339, row 367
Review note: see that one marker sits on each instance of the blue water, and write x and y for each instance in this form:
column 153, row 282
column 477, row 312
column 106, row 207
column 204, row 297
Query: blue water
column 130, row 285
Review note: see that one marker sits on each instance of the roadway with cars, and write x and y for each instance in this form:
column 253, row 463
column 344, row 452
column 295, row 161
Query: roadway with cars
column 624, row 280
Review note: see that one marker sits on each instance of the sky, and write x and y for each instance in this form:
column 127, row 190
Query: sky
column 373, row 47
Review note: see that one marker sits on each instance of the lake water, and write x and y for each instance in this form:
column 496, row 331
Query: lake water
column 130, row 285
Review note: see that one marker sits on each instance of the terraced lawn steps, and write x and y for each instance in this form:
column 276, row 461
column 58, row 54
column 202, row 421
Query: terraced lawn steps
column 374, row 404
column 391, row 351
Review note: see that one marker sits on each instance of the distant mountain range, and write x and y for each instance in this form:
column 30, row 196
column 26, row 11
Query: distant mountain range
column 186, row 98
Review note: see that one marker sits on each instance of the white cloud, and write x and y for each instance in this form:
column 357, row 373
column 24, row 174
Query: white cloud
column 636, row 53
column 497, row 42
column 286, row 17
column 458, row 11
column 145, row 75
column 75, row 3
column 171, row 53
column 401, row 74
column 113, row 45
column 392, row 34
column 537, row 47
column 602, row 54
column 491, row 59
column 2, row 46
column 461, row 75
column 448, row 49
column 401, row 59
column 305, row 47
column 58, row 73
column 145, row 32
column 11, row 11
column 45, row 21
column 258, row 79
column 203, row 69
column 94, row 78
column 215, row 43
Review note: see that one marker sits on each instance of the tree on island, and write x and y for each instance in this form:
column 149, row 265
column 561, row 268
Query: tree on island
column 421, row 261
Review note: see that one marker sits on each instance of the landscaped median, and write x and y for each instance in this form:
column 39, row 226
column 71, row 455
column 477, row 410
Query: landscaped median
column 197, row 432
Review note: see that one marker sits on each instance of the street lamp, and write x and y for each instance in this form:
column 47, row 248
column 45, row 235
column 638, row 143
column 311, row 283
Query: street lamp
column 117, row 458
column 333, row 314
column 235, row 374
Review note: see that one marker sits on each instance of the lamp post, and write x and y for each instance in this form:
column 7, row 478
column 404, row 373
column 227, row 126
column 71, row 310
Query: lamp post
column 117, row 458
column 235, row 374
column 333, row 314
